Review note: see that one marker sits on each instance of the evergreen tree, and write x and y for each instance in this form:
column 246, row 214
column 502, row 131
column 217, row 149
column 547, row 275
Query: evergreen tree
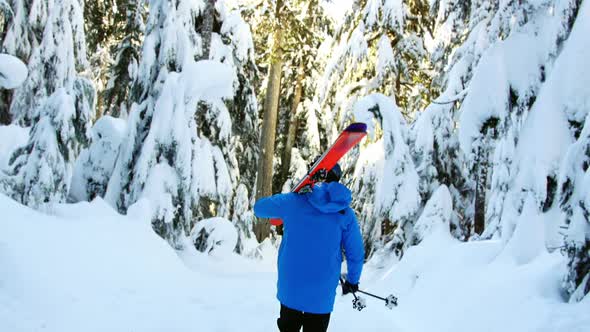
column 17, row 39
column 439, row 161
column 308, row 29
column 495, row 31
column 379, row 48
column 574, row 197
column 180, row 151
column 126, row 45
column 566, row 93
column 436, row 215
column 94, row 167
column 60, row 103
column 269, row 121
column 386, row 183
column 296, row 30
column 545, row 31
column 55, row 67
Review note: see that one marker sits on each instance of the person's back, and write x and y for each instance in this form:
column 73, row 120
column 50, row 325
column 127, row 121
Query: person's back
column 317, row 226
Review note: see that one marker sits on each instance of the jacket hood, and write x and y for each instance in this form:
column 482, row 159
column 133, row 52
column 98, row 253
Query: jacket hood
column 330, row 197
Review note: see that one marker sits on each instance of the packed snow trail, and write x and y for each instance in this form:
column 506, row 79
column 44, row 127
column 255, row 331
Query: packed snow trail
column 87, row 268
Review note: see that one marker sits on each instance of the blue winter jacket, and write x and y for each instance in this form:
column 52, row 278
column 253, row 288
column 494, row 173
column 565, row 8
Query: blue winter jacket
column 317, row 226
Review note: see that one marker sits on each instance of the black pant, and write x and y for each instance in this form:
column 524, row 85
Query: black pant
column 291, row 321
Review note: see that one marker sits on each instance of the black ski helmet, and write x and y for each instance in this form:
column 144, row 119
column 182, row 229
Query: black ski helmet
column 334, row 174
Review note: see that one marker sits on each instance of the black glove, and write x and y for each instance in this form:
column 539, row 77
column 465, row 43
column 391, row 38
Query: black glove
column 320, row 175
column 347, row 287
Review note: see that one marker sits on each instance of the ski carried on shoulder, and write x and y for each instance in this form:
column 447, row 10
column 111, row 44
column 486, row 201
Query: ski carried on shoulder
column 348, row 139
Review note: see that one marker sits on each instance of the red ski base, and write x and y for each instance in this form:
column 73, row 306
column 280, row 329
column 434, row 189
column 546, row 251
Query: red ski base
column 348, row 139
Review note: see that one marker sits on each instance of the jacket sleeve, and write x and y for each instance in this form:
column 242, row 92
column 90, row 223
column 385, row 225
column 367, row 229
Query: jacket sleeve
column 272, row 207
column 354, row 250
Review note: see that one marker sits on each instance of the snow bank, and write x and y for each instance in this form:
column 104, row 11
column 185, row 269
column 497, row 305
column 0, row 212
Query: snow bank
column 436, row 214
column 528, row 240
column 88, row 268
column 215, row 235
column 446, row 285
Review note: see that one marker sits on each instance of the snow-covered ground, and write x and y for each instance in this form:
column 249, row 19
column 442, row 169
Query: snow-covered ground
column 87, row 268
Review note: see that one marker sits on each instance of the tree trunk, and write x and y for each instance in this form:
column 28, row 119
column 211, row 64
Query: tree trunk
column 267, row 136
column 293, row 123
column 482, row 164
column 481, row 179
column 207, row 30
column 5, row 100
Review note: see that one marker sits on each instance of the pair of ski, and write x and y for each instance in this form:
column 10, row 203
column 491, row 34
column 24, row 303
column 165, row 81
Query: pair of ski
column 348, row 139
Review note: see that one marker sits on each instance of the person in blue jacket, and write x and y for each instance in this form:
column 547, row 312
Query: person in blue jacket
column 318, row 225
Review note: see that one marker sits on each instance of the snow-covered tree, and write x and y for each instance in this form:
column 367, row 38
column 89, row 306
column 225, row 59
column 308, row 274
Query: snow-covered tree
column 570, row 92
column 18, row 40
column 126, row 39
column 309, row 29
column 232, row 44
column 378, row 48
column 189, row 143
column 548, row 32
column 54, row 63
column 436, row 214
column 57, row 102
column 294, row 29
column 215, row 236
column 439, row 161
column 574, row 196
column 95, row 165
column 490, row 118
column 451, row 20
column 386, row 184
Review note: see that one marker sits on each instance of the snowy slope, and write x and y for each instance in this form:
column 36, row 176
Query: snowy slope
column 92, row 270
column 447, row 285
column 89, row 269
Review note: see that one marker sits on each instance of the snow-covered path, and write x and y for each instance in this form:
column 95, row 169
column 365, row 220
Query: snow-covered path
column 89, row 269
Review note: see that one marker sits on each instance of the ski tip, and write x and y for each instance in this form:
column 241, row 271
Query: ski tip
column 357, row 127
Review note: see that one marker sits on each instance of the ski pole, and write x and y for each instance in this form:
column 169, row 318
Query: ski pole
column 359, row 303
column 390, row 301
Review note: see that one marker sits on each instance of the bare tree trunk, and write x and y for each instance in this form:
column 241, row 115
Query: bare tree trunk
column 267, row 136
column 207, row 30
column 480, row 192
column 293, row 123
column 5, row 100
column 482, row 165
